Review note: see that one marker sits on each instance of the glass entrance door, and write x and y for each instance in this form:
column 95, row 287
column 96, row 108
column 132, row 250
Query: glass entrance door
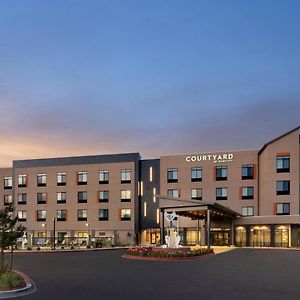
column 220, row 238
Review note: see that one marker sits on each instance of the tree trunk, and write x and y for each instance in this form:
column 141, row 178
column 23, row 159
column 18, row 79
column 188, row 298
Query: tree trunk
column 11, row 258
column 2, row 261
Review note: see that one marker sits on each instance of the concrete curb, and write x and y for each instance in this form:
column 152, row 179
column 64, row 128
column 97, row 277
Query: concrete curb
column 270, row 248
column 28, row 289
column 132, row 257
column 68, row 250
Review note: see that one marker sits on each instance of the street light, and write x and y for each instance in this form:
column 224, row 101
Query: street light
column 45, row 226
column 89, row 238
column 54, row 219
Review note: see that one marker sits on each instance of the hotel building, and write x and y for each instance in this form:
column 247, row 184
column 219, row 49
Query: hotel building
column 242, row 198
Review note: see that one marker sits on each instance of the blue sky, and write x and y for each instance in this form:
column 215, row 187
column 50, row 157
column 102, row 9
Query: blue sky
column 158, row 77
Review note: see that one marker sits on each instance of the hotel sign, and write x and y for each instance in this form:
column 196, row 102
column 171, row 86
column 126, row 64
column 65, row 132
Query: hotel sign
column 216, row 158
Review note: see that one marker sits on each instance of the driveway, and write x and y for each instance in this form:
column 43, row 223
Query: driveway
column 239, row 274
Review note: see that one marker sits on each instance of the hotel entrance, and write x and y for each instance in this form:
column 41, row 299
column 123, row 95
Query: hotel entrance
column 220, row 238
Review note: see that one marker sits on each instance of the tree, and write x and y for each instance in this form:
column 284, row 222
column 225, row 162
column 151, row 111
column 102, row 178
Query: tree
column 9, row 233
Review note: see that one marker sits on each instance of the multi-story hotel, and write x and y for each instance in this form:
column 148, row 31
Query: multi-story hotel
column 243, row 198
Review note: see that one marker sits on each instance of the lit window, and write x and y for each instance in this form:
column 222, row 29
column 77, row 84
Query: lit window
column 103, row 177
column 103, row 196
column 82, row 197
column 154, row 193
column 247, row 211
column 283, row 164
column 22, row 180
column 41, row 198
column 82, row 215
column 103, row 214
column 247, row 192
column 125, row 214
column 126, row 196
column 82, row 177
column 172, row 175
column 61, row 215
column 61, row 179
column 7, row 182
column 145, row 209
column 61, row 197
column 22, row 215
column 41, row 215
column 221, row 193
column 173, row 193
column 125, row 176
column 196, row 194
column 283, row 187
column 221, row 173
column 282, row 208
column 8, row 199
column 150, row 174
column 22, row 198
column 157, row 215
column 41, row 179
column 196, row 174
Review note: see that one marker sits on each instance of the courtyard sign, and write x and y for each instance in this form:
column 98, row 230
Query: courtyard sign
column 216, row 158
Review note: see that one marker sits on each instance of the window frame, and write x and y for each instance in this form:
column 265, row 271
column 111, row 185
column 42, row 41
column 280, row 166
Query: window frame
column 221, row 169
column 170, row 175
column 195, row 170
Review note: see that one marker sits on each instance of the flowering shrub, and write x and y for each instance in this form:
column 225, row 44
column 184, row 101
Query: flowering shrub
column 148, row 252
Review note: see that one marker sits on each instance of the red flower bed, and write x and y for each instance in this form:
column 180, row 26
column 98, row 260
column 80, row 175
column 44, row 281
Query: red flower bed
column 167, row 253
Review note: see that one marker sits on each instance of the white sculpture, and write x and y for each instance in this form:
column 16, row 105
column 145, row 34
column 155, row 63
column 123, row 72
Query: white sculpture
column 172, row 239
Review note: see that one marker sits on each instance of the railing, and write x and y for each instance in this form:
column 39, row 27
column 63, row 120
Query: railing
column 68, row 242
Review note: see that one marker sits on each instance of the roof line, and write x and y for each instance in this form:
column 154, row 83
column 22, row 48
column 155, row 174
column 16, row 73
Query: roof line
column 276, row 139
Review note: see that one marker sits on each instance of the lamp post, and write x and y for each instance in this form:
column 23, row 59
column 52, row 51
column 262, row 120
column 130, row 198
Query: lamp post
column 54, row 219
column 89, row 238
column 45, row 226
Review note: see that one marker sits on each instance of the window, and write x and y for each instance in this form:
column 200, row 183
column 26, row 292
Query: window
column 283, row 187
column 247, row 192
column 8, row 199
column 197, row 194
column 282, row 208
column 196, row 174
column 125, row 176
column 82, row 215
column 103, row 177
column 125, row 214
column 61, row 179
column 172, row 175
column 221, row 193
column 221, row 173
column 61, row 215
column 41, row 179
column 247, row 211
column 103, row 196
column 22, row 180
column 126, row 196
column 173, row 193
column 41, row 215
column 82, row 197
column 150, row 174
column 41, row 198
column 22, row 198
column 283, row 164
column 82, row 178
column 61, row 197
column 22, row 215
column 7, row 183
column 247, row 172
column 103, row 214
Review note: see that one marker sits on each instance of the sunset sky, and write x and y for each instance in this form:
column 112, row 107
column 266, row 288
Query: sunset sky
column 155, row 77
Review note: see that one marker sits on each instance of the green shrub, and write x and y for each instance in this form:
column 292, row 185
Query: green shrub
column 38, row 248
column 8, row 280
column 28, row 248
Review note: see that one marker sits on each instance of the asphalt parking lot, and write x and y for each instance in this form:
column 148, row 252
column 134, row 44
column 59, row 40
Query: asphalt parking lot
column 238, row 274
